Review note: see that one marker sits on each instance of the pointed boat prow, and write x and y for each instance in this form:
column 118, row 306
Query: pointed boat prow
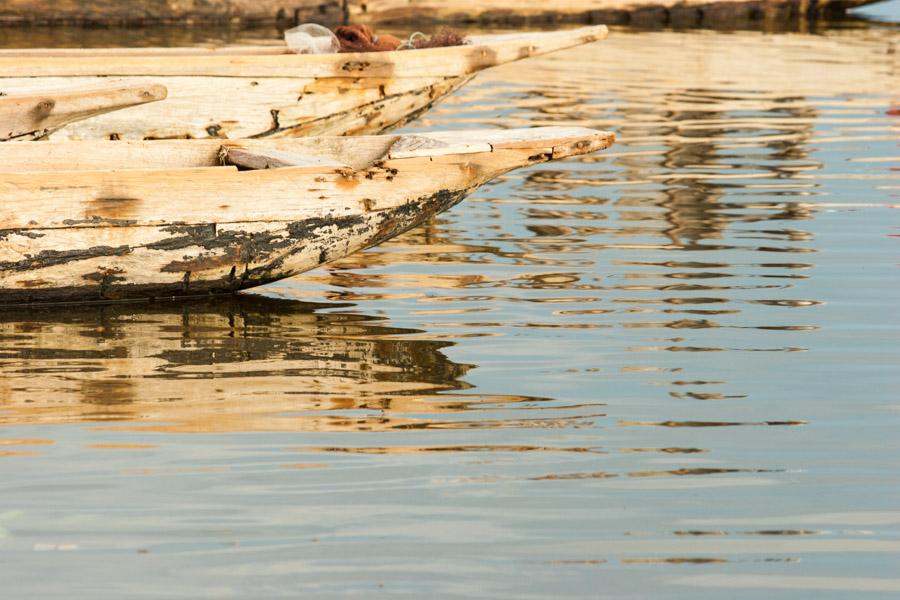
column 507, row 47
column 35, row 114
column 509, row 148
column 553, row 142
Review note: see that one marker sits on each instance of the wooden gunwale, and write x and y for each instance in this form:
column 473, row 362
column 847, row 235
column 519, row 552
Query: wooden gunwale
column 482, row 52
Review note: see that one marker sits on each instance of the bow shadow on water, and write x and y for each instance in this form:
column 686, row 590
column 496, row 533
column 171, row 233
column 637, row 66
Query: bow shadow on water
column 233, row 364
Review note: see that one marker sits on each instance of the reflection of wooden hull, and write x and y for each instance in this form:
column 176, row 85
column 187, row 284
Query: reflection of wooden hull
column 241, row 363
column 228, row 364
column 181, row 226
column 264, row 91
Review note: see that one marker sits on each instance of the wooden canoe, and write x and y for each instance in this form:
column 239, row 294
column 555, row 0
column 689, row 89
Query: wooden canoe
column 31, row 115
column 266, row 91
column 79, row 223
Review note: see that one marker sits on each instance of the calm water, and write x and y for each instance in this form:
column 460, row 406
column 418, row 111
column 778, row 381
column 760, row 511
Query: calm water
column 669, row 370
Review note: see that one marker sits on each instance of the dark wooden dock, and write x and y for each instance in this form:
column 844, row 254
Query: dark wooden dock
column 247, row 13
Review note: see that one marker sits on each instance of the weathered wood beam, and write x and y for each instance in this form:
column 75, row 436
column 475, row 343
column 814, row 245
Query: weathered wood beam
column 34, row 114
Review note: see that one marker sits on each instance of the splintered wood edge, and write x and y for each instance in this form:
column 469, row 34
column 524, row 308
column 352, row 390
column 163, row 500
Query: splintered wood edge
column 558, row 141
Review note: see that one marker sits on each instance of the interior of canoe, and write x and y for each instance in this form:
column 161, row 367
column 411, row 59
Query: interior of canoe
column 318, row 152
column 276, row 48
column 38, row 157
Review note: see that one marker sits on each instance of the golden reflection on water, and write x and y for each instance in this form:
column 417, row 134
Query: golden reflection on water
column 242, row 364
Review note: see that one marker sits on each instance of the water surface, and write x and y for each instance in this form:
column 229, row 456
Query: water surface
column 668, row 370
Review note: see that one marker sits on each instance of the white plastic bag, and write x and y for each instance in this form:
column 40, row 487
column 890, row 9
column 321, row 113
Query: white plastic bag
column 311, row 38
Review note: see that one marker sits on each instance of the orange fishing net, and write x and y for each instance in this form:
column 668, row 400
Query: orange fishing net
column 361, row 38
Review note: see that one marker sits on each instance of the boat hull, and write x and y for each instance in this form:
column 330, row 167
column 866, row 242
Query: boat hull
column 194, row 260
column 207, row 217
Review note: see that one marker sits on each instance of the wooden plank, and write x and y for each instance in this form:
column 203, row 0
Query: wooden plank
column 168, row 155
column 37, row 113
column 433, row 62
column 357, row 152
column 275, row 159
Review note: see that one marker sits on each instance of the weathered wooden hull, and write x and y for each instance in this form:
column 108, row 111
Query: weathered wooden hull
column 237, row 93
column 225, row 257
column 89, row 235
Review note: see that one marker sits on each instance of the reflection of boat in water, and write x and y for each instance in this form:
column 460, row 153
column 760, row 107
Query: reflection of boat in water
column 233, row 363
column 242, row 363
column 90, row 227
